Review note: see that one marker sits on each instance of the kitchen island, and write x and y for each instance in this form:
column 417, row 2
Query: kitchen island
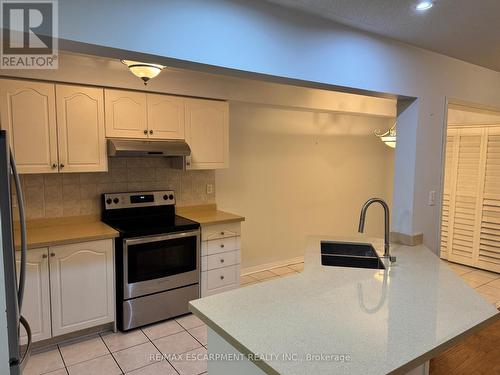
column 337, row 320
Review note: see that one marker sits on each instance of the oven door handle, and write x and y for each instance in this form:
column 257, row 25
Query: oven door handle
column 143, row 240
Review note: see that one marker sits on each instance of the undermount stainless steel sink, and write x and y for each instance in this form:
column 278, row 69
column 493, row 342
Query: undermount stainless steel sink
column 347, row 254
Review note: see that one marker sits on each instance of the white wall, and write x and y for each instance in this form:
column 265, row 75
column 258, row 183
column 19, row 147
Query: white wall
column 258, row 37
column 295, row 173
column 461, row 115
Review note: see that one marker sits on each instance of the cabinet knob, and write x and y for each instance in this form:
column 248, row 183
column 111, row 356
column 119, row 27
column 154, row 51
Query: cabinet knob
column 188, row 163
column 222, row 277
column 54, row 165
column 52, row 254
column 44, row 256
column 145, row 131
column 221, row 233
column 151, row 132
column 61, row 165
column 221, row 245
column 222, row 260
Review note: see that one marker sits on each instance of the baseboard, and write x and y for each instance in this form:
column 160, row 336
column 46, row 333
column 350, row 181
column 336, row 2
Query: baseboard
column 267, row 266
column 47, row 344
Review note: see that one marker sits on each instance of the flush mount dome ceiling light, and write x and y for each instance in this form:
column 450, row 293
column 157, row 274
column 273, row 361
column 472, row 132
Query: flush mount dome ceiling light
column 424, row 5
column 389, row 137
column 144, row 71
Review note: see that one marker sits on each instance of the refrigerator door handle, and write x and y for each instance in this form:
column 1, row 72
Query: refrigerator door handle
column 22, row 219
column 26, row 356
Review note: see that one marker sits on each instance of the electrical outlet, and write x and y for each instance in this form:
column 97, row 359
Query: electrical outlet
column 210, row 189
column 432, row 198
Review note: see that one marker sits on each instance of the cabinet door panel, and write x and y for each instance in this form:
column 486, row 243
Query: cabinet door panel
column 165, row 117
column 80, row 119
column 126, row 114
column 207, row 133
column 36, row 302
column 82, row 285
column 27, row 112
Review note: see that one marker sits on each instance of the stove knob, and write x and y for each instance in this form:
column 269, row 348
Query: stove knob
column 108, row 201
column 171, row 196
column 116, row 200
column 165, row 197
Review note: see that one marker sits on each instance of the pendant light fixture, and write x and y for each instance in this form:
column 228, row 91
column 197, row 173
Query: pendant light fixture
column 144, row 71
column 389, row 137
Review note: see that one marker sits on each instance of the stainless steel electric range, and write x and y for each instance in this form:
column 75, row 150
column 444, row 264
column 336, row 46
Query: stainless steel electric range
column 157, row 257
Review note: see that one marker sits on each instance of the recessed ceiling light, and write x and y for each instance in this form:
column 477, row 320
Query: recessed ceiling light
column 424, row 5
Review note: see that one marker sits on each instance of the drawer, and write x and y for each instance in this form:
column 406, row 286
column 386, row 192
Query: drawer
column 221, row 277
column 212, row 232
column 220, row 260
column 221, row 245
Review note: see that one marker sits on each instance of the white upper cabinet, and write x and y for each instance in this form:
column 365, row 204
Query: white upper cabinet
column 207, row 133
column 165, row 116
column 36, row 302
column 82, row 285
column 28, row 114
column 126, row 114
column 80, row 126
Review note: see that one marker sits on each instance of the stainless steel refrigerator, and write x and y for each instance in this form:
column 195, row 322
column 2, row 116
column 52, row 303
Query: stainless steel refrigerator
column 14, row 290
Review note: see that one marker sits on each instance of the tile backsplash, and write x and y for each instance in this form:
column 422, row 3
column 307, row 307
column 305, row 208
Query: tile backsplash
column 74, row 194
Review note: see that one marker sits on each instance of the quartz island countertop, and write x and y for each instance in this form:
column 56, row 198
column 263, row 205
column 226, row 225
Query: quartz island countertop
column 349, row 320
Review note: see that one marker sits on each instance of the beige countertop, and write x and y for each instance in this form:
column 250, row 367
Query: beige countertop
column 386, row 321
column 208, row 214
column 62, row 231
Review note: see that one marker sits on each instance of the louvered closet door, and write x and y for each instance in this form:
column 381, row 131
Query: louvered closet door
column 463, row 232
column 450, row 167
column 488, row 254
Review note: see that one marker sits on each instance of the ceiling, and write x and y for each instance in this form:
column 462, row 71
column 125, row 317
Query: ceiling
column 468, row 30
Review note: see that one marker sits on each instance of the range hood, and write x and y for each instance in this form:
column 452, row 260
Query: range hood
column 175, row 149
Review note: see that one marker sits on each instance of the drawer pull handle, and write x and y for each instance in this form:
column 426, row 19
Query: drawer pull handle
column 222, row 260
column 221, row 245
column 222, row 277
column 221, row 233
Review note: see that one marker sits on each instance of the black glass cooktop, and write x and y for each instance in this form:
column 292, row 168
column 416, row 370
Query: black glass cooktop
column 150, row 225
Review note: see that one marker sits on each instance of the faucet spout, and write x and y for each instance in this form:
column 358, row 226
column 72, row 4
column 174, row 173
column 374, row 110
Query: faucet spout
column 362, row 217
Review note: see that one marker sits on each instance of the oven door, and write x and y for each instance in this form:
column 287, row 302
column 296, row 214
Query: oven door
column 158, row 263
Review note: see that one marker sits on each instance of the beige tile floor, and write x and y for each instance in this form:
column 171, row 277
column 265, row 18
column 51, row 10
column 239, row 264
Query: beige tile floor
column 139, row 352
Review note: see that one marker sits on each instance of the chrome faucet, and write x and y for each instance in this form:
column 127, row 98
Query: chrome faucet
column 361, row 227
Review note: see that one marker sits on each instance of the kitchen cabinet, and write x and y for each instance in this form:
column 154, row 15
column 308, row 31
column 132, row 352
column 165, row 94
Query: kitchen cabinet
column 28, row 113
column 126, row 114
column 220, row 258
column 80, row 128
column 54, row 128
column 165, row 117
column 139, row 115
column 36, row 302
column 81, row 285
column 207, row 133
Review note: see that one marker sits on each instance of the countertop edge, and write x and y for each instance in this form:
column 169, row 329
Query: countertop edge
column 444, row 346
column 69, row 241
column 223, row 221
column 233, row 342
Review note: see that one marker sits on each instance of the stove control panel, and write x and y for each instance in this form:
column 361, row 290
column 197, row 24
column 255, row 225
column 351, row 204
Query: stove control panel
column 138, row 199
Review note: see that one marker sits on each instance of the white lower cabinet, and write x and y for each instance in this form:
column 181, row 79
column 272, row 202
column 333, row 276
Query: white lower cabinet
column 81, row 285
column 220, row 258
column 36, row 301
column 68, row 288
